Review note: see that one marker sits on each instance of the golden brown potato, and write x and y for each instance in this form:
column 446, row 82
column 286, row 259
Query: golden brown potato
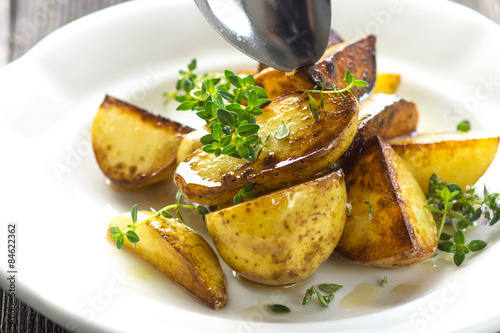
column 336, row 57
column 311, row 146
column 387, row 83
column 357, row 56
column 282, row 237
column 387, row 116
column 275, row 82
column 191, row 143
column 460, row 158
column 401, row 231
column 180, row 253
column 133, row 147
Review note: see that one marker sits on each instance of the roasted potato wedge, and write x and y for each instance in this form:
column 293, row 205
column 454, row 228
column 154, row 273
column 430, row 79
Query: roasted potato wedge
column 133, row 147
column 311, row 146
column 387, row 83
column 460, row 158
column 191, row 143
column 282, row 237
column 387, row 116
column 179, row 252
column 357, row 56
column 400, row 232
column 275, row 82
column 332, row 65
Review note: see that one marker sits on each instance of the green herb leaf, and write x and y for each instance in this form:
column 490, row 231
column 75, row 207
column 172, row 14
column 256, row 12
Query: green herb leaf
column 120, row 242
column 383, row 281
column 115, row 230
column 476, row 245
column 178, row 196
column 447, row 246
column 307, row 297
column 132, row 237
column 248, row 129
column 329, row 288
column 458, row 258
column 313, row 106
column 459, row 237
column 282, row 131
column 278, row 308
column 464, row 126
column 166, row 214
column 202, row 210
column 133, row 213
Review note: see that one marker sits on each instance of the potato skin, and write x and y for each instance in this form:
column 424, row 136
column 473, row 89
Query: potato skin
column 401, row 232
column 134, row 148
column 459, row 158
column 180, row 253
column 388, row 116
column 387, row 83
column 357, row 56
column 275, row 82
column 282, row 237
column 190, row 143
column 310, row 147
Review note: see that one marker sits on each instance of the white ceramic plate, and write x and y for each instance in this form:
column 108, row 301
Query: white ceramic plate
column 54, row 192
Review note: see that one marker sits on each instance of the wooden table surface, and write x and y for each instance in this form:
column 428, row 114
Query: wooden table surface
column 22, row 24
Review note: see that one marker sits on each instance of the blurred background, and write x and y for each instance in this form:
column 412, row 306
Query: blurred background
column 25, row 22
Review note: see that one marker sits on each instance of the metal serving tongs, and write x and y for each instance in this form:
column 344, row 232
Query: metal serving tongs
column 284, row 34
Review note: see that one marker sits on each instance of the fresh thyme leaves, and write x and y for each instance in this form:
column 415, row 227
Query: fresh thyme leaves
column 324, row 300
column 450, row 205
column 278, row 308
column 383, row 282
column 351, row 82
column 464, row 126
column 329, row 287
column 229, row 103
column 370, row 213
column 130, row 233
column 282, row 132
column 244, row 193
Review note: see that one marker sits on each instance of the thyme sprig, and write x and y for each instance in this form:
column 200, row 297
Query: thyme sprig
column 350, row 81
column 130, row 233
column 244, row 193
column 229, row 104
column 450, row 205
column 323, row 299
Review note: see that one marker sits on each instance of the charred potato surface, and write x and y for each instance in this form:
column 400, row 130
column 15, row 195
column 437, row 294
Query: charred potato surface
column 400, row 232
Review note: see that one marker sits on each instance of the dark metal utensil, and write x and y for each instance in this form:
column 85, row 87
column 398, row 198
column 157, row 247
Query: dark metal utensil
column 284, row 34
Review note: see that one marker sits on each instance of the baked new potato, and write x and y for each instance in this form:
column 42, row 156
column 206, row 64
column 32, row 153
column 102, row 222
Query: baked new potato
column 357, row 57
column 311, row 146
column 387, row 116
column 191, row 142
column 180, row 253
column 460, row 158
column 282, row 237
column 388, row 225
column 134, row 148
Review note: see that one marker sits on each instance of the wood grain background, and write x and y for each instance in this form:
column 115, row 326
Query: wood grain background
column 22, row 24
